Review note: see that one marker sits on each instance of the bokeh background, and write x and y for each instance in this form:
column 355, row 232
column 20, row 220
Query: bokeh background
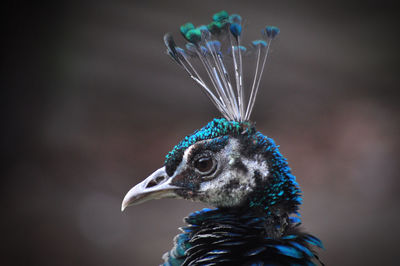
column 91, row 104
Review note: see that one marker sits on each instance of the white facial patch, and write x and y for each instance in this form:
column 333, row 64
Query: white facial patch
column 234, row 177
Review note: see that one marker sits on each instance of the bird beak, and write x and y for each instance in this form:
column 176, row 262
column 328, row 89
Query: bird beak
column 156, row 186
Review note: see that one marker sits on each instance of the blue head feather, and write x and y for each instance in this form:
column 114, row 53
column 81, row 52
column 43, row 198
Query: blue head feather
column 218, row 127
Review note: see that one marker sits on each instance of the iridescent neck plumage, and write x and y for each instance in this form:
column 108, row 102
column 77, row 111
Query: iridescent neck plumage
column 229, row 237
column 213, row 46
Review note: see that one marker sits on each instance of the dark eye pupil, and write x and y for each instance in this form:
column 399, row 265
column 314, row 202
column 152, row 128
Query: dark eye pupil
column 204, row 164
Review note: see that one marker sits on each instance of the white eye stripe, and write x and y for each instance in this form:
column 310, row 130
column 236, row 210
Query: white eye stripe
column 187, row 152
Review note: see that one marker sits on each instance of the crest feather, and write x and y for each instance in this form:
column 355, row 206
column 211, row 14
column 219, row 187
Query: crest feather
column 213, row 46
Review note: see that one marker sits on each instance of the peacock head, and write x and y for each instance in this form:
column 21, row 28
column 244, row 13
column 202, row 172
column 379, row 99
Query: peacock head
column 227, row 163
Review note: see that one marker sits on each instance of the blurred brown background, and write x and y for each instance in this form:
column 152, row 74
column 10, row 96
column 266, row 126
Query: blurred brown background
column 91, row 104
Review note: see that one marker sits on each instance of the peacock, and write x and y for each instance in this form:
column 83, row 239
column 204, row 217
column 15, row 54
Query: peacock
column 228, row 164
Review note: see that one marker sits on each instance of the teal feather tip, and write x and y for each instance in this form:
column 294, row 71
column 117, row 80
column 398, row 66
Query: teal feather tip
column 186, row 27
column 271, row 31
column 220, row 16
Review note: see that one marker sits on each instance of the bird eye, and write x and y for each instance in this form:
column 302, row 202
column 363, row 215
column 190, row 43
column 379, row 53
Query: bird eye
column 205, row 165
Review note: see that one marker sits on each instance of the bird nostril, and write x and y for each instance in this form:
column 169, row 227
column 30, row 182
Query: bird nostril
column 159, row 179
column 152, row 183
column 155, row 181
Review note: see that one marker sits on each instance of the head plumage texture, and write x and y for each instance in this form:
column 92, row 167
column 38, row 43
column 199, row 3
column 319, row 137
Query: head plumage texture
column 270, row 185
column 217, row 128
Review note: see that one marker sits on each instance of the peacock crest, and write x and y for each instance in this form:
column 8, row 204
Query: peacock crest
column 217, row 50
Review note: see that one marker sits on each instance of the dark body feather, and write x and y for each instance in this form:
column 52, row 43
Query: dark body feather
column 240, row 237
